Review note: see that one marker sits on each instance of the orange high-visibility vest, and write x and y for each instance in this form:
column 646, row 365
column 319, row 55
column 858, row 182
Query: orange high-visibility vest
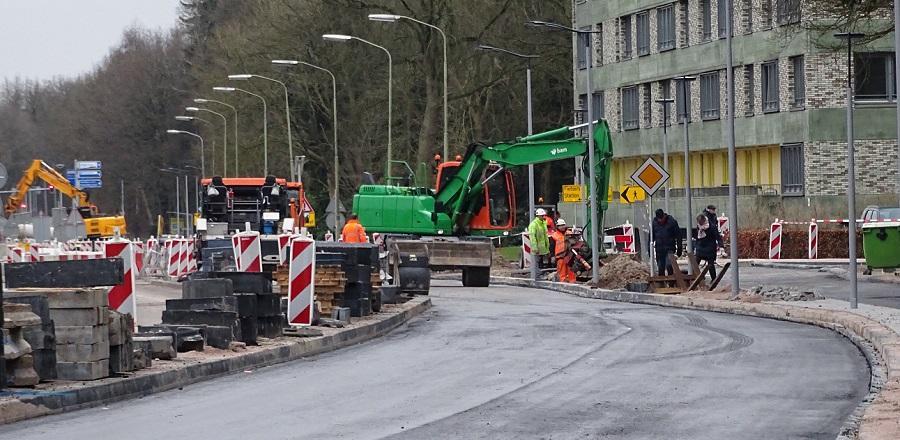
column 353, row 232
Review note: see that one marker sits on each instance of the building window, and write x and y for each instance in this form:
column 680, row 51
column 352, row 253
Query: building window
column 709, row 96
column 770, row 101
column 643, row 34
column 647, row 105
column 630, row 111
column 766, row 13
column 583, row 43
column 722, row 12
column 705, row 20
column 792, row 175
column 581, row 111
column 788, row 11
column 683, row 100
column 625, row 24
column 749, row 89
column 685, row 39
column 665, row 27
column 798, row 71
column 599, row 105
column 747, row 16
column 874, row 73
column 665, row 110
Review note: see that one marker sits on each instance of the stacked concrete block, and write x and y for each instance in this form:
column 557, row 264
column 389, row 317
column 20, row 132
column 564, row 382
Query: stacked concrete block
column 82, row 333
column 157, row 347
column 17, row 352
column 121, row 347
column 41, row 338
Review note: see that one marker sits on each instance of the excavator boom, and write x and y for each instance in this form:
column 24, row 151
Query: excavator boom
column 39, row 170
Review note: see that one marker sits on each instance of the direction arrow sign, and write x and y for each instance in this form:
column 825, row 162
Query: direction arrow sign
column 650, row 176
column 88, row 164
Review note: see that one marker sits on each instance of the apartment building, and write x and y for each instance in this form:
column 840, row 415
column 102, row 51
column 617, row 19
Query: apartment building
column 790, row 96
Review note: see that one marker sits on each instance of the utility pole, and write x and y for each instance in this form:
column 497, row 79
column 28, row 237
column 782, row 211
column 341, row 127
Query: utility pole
column 686, row 105
column 851, row 170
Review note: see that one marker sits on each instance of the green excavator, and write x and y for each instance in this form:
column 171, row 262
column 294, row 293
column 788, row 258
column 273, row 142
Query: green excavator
column 449, row 226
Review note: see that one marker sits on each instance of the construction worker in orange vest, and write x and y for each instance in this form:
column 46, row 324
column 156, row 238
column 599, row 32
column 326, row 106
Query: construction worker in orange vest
column 354, row 232
column 560, row 251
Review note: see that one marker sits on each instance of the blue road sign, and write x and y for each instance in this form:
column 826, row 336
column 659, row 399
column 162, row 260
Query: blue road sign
column 88, row 164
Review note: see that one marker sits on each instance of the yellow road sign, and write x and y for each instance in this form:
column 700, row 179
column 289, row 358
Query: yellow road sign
column 572, row 193
column 650, row 176
column 631, row 194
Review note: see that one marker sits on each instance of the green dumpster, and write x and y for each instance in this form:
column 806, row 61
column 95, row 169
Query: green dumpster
column 881, row 244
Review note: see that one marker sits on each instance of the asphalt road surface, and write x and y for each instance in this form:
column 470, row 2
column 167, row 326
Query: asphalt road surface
column 826, row 284
column 510, row 363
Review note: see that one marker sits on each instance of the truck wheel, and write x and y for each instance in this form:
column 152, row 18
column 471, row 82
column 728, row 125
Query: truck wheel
column 476, row 277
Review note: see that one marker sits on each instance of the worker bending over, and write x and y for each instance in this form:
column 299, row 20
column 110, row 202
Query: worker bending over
column 561, row 251
column 354, row 232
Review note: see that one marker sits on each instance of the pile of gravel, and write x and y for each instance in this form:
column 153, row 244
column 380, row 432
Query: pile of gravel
column 777, row 293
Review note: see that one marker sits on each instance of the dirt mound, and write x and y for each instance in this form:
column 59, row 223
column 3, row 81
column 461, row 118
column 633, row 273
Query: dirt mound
column 619, row 270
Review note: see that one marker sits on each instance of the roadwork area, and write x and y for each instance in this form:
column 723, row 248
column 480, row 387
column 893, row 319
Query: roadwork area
column 512, row 362
column 194, row 366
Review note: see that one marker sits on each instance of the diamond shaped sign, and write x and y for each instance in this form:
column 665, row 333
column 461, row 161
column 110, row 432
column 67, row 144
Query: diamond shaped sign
column 651, row 176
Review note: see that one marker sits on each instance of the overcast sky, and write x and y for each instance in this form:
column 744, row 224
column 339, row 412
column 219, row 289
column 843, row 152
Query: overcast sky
column 42, row 39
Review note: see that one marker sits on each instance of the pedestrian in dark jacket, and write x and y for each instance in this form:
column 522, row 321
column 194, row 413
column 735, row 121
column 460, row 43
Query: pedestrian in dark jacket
column 707, row 244
column 713, row 221
column 667, row 239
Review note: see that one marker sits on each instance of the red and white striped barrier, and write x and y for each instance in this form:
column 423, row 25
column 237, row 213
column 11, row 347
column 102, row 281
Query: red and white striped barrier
column 775, row 241
column 302, row 279
column 625, row 239
column 724, row 226
column 122, row 297
column 813, row 250
column 247, row 251
column 173, row 258
column 284, row 248
column 138, row 256
column 191, row 255
column 526, row 251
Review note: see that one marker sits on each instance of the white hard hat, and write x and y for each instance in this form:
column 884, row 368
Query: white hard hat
column 540, row 211
column 560, row 222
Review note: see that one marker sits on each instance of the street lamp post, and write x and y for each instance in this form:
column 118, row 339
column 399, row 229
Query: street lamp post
column 596, row 228
column 684, row 83
column 337, row 225
column 202, row 161
column 224, row 134
column 195, row 118
column 391, row 18
column 851, row 169
column 531, row 209
column 346, row 38
column 233, row 109
column 265, row 124
column 287, row 114
column 664, row 102
column 732, row 156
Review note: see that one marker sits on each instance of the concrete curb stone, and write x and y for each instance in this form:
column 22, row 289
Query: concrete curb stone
column 39, row 404
column 876, row 418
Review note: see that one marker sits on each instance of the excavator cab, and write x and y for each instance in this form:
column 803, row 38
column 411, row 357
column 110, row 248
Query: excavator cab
column 496, row 211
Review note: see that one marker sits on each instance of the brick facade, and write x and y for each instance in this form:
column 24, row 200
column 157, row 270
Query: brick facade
column 824, row 84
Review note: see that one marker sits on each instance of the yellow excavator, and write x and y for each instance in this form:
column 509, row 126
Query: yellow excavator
column 96, row 225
